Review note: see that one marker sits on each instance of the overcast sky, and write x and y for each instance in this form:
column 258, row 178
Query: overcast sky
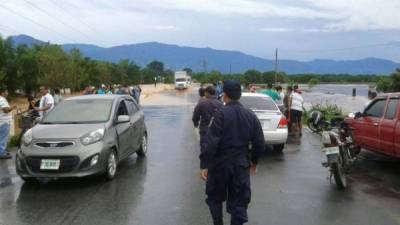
column 301, row 29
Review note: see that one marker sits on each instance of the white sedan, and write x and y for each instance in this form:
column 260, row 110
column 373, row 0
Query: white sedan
column 273, row 122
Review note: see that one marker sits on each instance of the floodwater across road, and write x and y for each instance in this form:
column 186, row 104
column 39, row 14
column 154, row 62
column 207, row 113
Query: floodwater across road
column 164, row 188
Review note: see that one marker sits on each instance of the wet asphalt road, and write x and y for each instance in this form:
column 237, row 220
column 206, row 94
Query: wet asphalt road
column 164, row 188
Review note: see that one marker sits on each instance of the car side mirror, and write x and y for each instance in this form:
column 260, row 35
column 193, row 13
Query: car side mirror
column 123, row 119
column 358, row 115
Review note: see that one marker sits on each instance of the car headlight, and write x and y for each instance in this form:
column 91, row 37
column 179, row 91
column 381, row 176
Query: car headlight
column 28, row 137
column 92, row 137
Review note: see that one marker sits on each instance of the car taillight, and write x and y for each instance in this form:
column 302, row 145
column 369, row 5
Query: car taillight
column 283, row 123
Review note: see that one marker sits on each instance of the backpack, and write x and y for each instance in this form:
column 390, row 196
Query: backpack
column 215, row 110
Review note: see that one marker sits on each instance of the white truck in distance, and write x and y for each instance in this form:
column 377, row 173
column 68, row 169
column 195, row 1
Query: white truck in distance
column 182, row 80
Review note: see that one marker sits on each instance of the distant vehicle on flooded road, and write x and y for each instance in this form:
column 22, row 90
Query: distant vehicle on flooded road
column 182, row 80
column 273, row 122
column 83, row 136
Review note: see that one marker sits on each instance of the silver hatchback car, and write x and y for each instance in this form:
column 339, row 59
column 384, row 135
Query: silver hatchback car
column 83, row 136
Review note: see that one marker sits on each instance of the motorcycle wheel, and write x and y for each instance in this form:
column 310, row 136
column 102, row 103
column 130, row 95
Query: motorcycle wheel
column 339, row 175
column 314, row 128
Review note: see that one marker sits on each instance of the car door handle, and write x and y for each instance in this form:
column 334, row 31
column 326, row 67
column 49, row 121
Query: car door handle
column 376, row 124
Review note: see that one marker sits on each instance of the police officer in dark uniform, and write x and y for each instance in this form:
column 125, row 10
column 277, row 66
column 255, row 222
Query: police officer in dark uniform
column 234, row 142
column 204, row 111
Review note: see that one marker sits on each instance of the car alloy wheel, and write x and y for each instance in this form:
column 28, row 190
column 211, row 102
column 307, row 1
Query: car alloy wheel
column 143, row 146
column 111, row 165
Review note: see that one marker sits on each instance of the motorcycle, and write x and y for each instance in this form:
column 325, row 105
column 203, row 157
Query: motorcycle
column 27, row 121
column 340, row 152
column 317, row 121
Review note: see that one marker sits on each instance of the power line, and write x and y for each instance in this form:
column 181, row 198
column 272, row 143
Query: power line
column 7, row 28
column 56, row 18
column 33, row 21
column 59, row 6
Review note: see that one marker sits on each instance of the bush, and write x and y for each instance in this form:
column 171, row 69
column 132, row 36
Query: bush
column 13, row 141
column 383, row 85
column 313, row 82
column 330, row 111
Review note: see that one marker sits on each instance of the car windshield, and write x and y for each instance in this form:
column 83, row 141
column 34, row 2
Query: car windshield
column 180, row 79
column 79, row 111
column 258, row 103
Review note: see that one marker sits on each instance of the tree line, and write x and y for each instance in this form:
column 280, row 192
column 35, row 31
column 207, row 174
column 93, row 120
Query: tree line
column 257, row 77
column 26, row 68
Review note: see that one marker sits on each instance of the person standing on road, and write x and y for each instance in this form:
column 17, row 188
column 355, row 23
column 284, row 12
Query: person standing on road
column 204, row 112
column 271, row 93
column 296, row 110
column 102, row 90
column 46, row 102
column 5, row 121
column 227, row 160
column 57, row 96
column 202, row 93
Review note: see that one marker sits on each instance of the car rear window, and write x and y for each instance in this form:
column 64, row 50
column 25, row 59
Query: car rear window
column 258, row 103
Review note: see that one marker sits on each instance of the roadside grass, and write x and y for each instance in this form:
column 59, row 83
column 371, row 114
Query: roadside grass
column 13, row 142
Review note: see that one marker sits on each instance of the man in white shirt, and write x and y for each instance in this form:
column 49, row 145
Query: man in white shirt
column 296, row 109
column 5, row 120
column 46, row 102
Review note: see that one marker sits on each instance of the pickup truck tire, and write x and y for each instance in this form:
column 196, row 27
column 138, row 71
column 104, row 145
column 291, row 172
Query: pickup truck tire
column 279, row 147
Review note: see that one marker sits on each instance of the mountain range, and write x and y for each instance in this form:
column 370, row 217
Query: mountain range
column 199, row 59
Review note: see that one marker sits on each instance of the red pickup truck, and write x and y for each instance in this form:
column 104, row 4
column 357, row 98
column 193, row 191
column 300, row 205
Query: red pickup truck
column 378, row 127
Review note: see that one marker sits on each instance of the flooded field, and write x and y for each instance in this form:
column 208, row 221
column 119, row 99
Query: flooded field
column 339, row 94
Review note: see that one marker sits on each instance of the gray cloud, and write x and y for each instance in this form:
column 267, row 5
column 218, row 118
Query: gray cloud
column 252, row 26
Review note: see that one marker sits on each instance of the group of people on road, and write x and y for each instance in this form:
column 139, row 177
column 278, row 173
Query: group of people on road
column 134, row 91
column 231, row 140
column 290, row 103
column 36, row 108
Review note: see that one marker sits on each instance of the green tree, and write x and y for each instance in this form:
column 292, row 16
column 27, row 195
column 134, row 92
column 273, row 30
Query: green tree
column 156, row 67
column 395, row 78
column 253, row 77
column 313, row 82
column 188, row 71
column 53, row 64
column 28, row 68
column 78, row 70
column 383, row 84
column 8, row 65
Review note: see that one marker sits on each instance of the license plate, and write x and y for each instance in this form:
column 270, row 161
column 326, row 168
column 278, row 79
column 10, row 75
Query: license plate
column 50, row 164
column 331, row 150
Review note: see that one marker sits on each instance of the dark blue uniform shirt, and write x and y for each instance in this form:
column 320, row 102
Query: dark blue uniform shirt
column 233, row 131
column 204, row 111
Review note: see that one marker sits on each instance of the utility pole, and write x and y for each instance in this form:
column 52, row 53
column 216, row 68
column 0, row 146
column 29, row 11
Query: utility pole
column 230, row 69
column 276, row 66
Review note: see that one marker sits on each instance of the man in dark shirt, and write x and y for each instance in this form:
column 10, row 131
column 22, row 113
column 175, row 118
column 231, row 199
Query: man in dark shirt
column 204, row 111
column 234, row 142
